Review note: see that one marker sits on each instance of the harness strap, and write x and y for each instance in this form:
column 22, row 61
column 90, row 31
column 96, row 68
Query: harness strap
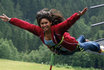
column 78, row 47
column 56, row 46
column 60, row 42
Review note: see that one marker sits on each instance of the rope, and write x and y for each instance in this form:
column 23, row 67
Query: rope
column 52, row 60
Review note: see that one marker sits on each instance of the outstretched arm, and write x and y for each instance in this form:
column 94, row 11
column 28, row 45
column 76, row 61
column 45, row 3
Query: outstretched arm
column 64, row 26
column 22, row 24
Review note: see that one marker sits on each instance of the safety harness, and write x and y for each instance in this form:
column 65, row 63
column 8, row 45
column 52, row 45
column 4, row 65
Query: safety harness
column 53, row 54
column 57, row 46
column 53, row 48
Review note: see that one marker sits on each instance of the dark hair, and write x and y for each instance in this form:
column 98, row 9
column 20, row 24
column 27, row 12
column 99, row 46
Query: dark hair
column 52, row 15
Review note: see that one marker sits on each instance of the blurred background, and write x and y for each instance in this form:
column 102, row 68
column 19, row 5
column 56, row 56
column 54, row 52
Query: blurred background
column 18, row 44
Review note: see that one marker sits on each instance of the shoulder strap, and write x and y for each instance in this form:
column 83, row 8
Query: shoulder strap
column 57, row 39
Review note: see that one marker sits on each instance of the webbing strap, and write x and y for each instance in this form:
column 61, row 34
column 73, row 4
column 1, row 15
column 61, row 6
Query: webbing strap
column 60, row 42
column 81, row 49
column 53, row 47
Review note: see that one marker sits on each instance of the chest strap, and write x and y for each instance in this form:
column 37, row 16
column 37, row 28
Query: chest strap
column 53, row 48
column 59, row 42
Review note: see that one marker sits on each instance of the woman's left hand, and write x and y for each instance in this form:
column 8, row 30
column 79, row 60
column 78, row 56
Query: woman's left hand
column 83, row 11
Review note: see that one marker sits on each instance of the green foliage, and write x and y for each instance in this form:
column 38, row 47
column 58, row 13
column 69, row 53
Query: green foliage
column 27, row 10
column 29, row 46
column 40, row 56
column 80, row 28
column 7, row 49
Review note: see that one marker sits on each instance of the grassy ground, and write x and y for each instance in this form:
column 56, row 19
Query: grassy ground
column 17, row 65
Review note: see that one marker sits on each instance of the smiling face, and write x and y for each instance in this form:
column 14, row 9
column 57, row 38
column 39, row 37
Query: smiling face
column 45, row 24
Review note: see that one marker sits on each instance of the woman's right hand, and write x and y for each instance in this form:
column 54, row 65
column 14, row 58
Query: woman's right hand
column 4, row 18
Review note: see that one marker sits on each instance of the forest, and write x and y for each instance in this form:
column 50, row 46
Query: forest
column 21, row 45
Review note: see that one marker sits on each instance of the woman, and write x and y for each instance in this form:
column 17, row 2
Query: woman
column 52, row 30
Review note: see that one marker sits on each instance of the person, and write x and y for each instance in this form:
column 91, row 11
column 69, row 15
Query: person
column 52, row 30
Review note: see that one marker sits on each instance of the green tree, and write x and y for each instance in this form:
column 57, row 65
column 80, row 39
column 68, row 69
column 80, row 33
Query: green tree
column 80, row 28
column 7, row 49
